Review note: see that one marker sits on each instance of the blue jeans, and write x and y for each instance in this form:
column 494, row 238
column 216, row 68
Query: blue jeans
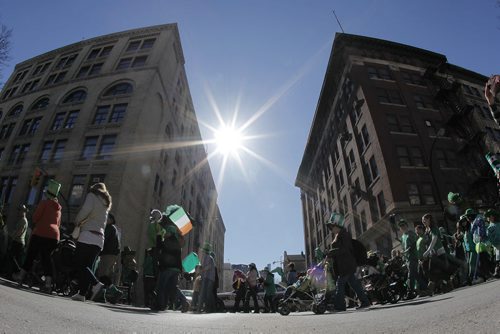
column 339, row 299
column 166, row 288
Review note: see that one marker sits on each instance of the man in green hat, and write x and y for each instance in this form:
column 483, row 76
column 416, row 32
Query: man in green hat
column 409, row 244
column 345, row 263
column 493, row 235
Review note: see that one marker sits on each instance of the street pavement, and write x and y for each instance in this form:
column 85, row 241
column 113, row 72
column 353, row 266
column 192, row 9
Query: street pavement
column 473, row 309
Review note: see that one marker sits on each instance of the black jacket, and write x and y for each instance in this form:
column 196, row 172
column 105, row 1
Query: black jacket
column 111, row 241
column 343, row 254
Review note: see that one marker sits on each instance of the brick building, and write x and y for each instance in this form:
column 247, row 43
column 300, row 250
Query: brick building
column 395, row 129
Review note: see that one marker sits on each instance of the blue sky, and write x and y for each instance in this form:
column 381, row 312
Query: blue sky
column 263, row 53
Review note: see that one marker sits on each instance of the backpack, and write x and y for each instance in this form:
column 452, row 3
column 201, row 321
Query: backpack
column 359, row 251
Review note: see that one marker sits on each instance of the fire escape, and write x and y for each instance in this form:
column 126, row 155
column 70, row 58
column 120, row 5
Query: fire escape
column 464, row 128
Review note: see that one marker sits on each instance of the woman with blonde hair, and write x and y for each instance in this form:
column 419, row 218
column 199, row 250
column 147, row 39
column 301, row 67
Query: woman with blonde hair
column 91, row 220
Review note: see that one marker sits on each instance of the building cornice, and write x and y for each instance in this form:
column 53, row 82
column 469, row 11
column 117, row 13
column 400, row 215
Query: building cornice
column 103, row 39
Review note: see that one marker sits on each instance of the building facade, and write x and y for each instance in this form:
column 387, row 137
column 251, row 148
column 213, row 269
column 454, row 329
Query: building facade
column 114, row 109
column 395, row 129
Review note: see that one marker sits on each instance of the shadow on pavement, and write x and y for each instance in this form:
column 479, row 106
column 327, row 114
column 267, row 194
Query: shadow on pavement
column 128, row 309
column 409, row 303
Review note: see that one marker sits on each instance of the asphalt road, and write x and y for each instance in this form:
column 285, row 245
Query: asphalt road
column 468, row 310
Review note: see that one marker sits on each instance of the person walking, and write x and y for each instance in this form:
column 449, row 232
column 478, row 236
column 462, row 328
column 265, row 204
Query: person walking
column 291, row 276
column 345, row 264
column 421, row 246
column 207, row 280
column 91, row 219
column 252, row 280
column 269, row 292
column 478, row 230
column 469, row 247
column 435, row 253
column 196, row 287
column 409, row 243
column 493, row 235
column 240, row 288
column 45, row 235
column 170, row 265
column 108, row 259
column 17, row 236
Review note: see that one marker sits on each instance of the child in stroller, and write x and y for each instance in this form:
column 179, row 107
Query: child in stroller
column 303, row 294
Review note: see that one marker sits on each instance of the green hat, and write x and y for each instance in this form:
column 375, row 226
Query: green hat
column 491, row 213
column 454, row 198
column 53, row 188
column 402, row 222
column 336, row 219
column 470, row 212
column 207, row 248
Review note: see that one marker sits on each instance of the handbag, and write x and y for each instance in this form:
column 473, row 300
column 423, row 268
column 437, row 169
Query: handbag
column 76, row 232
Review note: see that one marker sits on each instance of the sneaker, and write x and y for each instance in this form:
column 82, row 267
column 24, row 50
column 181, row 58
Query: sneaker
column 478, row 280
column 363, row 307
column 96, row 289
column 78, row 297
column 19, row 276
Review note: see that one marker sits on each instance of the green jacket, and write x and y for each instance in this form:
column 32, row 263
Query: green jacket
column 409, row 243
column 421, row 247
column 269, row 286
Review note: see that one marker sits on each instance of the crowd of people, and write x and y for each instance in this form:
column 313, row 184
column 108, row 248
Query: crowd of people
column 430, row 260
column 95, row 246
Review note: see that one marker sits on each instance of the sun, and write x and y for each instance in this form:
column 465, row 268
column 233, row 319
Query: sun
column 229, row 140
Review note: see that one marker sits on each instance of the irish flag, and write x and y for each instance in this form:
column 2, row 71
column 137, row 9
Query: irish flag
column 180, row 218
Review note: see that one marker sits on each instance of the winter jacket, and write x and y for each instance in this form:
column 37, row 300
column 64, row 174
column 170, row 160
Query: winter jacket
column 252, row 277
column 93, row 213
column 47, row 219
column 111, row 241
column 170, row 255
column 269, row 287
column 343, row 255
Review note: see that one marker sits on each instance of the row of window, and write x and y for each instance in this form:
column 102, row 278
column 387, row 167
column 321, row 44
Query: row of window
column 92, row 66
column 94, row 147
column 67, row 119
column 383, row 73
column 392, row 96
column 76, row 96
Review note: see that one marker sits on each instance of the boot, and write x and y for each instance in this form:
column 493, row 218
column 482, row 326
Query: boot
column 19, row 276
column 48, row 285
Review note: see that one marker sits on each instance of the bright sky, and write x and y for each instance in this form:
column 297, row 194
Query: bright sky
column 262, row 55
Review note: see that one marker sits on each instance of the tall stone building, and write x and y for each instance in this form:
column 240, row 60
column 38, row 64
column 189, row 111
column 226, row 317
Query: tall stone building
column 395, row 129
column 117, row 109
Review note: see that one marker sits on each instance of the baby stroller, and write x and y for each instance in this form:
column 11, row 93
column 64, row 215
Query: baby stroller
column 63, row 267
column 303, row 294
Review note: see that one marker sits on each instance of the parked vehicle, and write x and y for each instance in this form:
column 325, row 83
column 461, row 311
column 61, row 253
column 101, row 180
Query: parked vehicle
column 228, row 297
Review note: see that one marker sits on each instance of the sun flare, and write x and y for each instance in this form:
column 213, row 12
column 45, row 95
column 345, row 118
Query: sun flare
column 228, row 139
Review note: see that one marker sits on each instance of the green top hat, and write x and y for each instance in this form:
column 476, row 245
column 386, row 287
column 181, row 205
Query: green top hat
column 207, row 248
column 53, row 188
column 336, row 219
column 491, row 213
column 454, row 198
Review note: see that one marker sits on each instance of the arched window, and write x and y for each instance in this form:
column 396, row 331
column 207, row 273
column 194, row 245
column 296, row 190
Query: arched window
column 78, row 96
column 40, row 104
column 16, row 110
column 119, row 89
